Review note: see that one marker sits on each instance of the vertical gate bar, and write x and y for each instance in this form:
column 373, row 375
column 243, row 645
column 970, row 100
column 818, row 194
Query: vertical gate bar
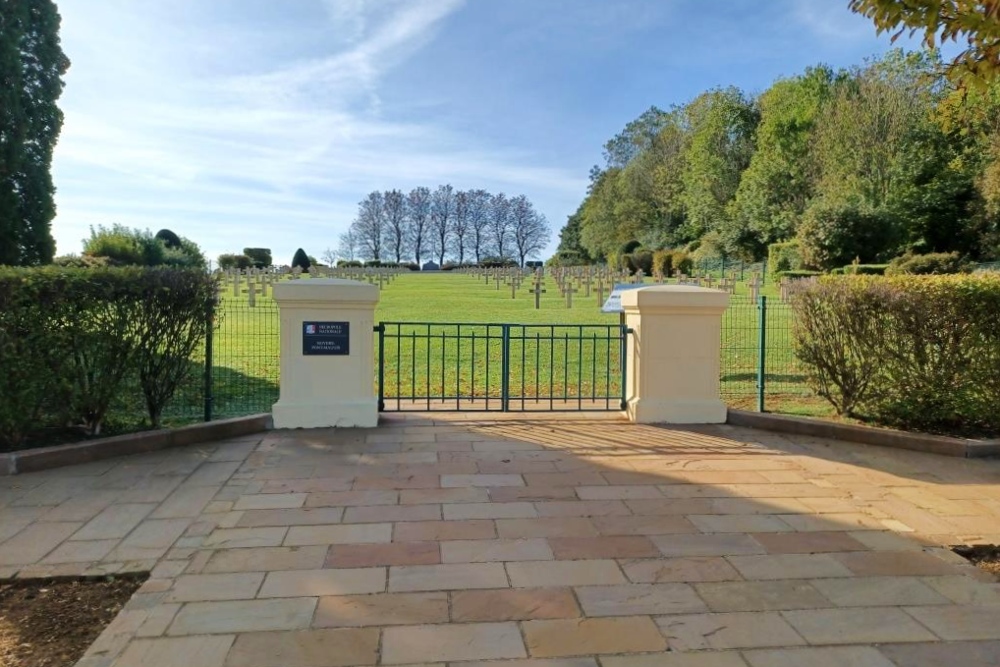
column 399, row 370
column 473, row 397
column 458, row 368
column 762, row 354
column 489, row 328
column 524, row 342
column 209, row 333
column 505, row 367
column 552, row 366
column 413, row 365
column 427, row 374
column 607, row 357
column 538, row 351
column 565, row 367
column 593, row 368
column 579, row 368
column 443, row 348
column 380, row 328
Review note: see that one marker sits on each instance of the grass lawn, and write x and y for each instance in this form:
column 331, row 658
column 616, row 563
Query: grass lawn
column 569, row 356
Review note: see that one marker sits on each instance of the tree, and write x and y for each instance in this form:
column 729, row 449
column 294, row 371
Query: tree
column 976, row 22
column 460, row 225
column 170, row 239
column 301, row 260
column 348, row 247
column 369, row 227
column 330, row 257
column 529, row 228
column 479, row 220
column 123, row 246
column 396, row 224
column 32, row 64
column 499, row 224
column 442, row 208
column 418, row 213
column 229, row 261
column 570, row 251
column 261, row 257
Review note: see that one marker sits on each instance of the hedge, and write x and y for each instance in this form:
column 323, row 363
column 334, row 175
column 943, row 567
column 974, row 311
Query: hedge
column 916, row 352
column 783, row 257
column 864, row 269
column 72, row 340
column 935, row 263
column 797, row 274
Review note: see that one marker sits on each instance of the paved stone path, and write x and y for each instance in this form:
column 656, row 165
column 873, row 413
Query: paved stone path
column 546, row 543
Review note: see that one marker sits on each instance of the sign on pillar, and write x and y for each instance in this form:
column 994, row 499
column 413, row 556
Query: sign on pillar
column 327, row 354
column 674, row 354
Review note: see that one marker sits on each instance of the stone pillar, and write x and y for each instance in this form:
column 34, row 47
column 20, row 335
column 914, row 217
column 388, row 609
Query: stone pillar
column 327, row 354
column 674, row 354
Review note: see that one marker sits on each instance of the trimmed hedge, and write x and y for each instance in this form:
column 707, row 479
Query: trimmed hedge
column 935, row 263
column 797, row 274
column 865, row 269
column 916, row 352
column 72, row 340
column 783, row 257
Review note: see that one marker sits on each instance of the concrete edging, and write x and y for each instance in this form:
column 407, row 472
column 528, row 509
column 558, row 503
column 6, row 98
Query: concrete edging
column 44, row 458
column 868, row 435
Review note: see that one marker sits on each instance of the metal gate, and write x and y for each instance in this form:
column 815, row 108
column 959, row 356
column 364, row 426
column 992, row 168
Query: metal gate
column 424, row 366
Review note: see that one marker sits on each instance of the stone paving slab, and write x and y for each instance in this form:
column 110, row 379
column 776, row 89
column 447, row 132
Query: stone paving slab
column 551, row 542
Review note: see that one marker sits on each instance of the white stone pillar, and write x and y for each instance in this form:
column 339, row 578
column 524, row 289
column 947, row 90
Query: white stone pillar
column 674, row 354
column 327, row 354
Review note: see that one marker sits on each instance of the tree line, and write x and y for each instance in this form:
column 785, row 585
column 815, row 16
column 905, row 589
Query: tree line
column 440, row 224
column 869, row 163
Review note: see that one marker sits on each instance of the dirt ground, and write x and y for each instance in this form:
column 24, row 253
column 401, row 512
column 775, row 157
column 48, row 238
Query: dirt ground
column 51, row 622
column 985, row 556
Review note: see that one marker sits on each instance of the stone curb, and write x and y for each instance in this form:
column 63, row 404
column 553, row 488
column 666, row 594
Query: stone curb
column 868, row 435
column 44, row 458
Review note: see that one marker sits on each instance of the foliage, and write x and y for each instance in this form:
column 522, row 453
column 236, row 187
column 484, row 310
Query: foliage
column 72, row 338
column 32, row 65
column 228, row 262
column 80, row 261
column 865, row 269
column 801, row 273
column 640, row 260
column 976, row 22
column 350, row 263
column 929, row 264
column 909, row 351
column 783, row 257
column 663, row 262
column 260, row 258
column 124, row 246
column 682, row 262
column 170, row 239
column 834, row 234
column 301, row 260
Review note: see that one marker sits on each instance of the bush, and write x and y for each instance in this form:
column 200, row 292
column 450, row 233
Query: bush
column 301, row 260
column 916, row 352
column 80, row 261
column 936, row 263
column 797, row 274
column 640, row 260
column 616, row 261
column 260, row 257
column 169, row 239
column 630, row 247
column 229, row 261
column 682, row 262
column 412, row 266
column 835, row 235
column 349, row 263
column 783, row 257
column 496, row 262
column 72, row 339
column 663, row 262
column 123, row 246
column 864, row 269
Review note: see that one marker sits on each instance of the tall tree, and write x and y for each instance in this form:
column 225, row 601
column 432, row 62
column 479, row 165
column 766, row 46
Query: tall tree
column 529, row 228
column 369, row 227
column 460, row 225
column 31, row 67
column 499, row 224
column 442, row 208
column 348, row 248
column 418, row 214
column 479, row 221
column 395, row 223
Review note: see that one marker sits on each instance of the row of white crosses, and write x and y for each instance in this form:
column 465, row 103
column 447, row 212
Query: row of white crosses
column 254, row 282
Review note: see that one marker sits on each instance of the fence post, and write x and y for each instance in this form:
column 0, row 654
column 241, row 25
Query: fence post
column 762, row 353
column 209, row 332
column 380, row 329
column 505, row 368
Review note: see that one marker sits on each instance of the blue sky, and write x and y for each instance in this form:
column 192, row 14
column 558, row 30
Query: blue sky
column 261, row 123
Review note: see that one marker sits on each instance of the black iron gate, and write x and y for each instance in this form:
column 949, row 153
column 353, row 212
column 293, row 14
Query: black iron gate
column 425, row 366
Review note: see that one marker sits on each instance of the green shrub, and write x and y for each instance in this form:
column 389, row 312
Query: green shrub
column 228, row 262
column 169, row 239
column 936, row 263
column 682, row 262
column 260, row 257
column 355, row 264
column 641, row 260
column 797, row 274
column 864, row 269
column 832, row 235
column 783, row 257
column 663, row 262
column 916, row 352
column 72, row 339
column 839, row 271
column 616, row 261
column 630, row 247
column 301, row 260
column 124, row 246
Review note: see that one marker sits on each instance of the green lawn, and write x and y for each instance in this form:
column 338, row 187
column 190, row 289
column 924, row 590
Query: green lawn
column 554, row 355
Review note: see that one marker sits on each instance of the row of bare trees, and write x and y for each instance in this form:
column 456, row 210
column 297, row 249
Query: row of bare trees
column 462, row 225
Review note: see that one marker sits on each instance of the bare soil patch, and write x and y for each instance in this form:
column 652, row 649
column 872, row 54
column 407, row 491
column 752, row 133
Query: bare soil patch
column 985, row 556
column 51, row 622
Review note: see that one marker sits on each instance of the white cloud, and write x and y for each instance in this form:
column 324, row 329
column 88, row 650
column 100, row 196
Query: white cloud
column 247, row 144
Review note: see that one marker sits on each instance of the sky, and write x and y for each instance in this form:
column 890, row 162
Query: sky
column 257, row 123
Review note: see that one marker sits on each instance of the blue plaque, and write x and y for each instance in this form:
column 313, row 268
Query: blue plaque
column 613, row 304
column 327, row 338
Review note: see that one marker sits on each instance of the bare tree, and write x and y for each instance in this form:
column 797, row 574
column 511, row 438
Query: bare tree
column 395, row 223
column 499, row 224
column 329, row 257
column 369, row 227
column 529, row 228
column 348, row 247
column 479, row 220
column 418, row 213
column 442, row 208
column 460, row 225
